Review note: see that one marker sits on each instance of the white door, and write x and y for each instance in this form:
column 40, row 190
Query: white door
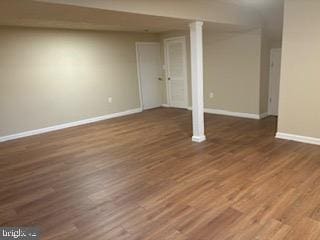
column 150, row 74
column 274, row 81
column 176, row 72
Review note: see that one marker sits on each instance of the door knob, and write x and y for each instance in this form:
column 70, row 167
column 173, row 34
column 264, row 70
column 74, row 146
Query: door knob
column 160, row 79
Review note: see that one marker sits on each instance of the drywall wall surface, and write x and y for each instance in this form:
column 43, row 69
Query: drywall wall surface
column 50, row 77
column 299, row 106
column 231, row 69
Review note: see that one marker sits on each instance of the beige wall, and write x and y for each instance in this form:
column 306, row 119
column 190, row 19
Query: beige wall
column 231, row 70
column 264, row 73
column 50, row 77
column 275, row 44
column 299, row 111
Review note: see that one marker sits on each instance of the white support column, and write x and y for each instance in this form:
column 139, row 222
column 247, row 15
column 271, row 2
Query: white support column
column 197, row 81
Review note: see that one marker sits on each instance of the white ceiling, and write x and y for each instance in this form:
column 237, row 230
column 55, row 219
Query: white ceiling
column 271, row 12
column 41, row 14
column 37, row 14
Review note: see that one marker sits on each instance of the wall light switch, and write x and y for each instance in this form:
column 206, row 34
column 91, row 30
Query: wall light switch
column 109, row 99
column 211, row 95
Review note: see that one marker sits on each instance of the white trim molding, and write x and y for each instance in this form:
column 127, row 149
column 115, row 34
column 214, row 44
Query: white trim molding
column 196, row 50
column 298, row 138
column 234, row 114
column 165, row 105
column 198, row 139
column 68, row 125
column 264, row 115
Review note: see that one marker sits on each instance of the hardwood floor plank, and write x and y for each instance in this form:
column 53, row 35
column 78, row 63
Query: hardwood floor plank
column 141, row 177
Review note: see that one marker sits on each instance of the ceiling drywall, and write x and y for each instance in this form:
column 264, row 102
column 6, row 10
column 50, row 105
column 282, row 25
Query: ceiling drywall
column 106, row 14
column 204, row 10
column 271, row 12
column 37, row 14
column 42, row 14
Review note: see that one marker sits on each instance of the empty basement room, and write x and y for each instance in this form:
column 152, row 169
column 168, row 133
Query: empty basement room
column 159, row 119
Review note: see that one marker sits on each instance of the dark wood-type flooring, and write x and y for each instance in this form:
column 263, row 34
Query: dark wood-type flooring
column 140, row 177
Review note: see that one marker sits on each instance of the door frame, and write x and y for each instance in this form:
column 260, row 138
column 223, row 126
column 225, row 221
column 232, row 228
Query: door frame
column 185, row 71
column 270, row 112
column 138, row 68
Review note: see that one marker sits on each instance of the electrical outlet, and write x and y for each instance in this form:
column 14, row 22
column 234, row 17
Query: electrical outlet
column 109, row 99
column 211, row 95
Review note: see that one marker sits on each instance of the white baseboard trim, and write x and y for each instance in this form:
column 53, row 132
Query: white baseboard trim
column 264, row 115
column 234, row 114
column 198, row 139
column 165, row 105
column 68, row 125
column 298, row 138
